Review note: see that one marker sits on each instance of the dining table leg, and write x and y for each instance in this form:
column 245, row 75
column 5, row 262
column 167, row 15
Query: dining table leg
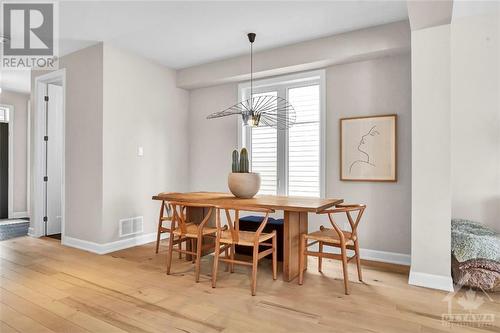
column 295, row 224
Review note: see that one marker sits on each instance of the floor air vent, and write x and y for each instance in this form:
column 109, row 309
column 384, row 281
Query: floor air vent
column 131, row 226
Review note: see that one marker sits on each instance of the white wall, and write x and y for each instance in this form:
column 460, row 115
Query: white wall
column 83, row 142
column 475, row 130
column 84, row 153
column 456, row 132
column 141, row 107
column 378, row 86
column 116, row 102
column 20, row 103
column 211, row 141
column 431, row 181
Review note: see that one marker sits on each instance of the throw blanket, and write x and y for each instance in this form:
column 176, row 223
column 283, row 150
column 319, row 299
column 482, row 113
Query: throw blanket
column 475, row 254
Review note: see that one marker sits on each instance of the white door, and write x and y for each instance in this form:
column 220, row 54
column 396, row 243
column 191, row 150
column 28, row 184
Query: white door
column 54, row 159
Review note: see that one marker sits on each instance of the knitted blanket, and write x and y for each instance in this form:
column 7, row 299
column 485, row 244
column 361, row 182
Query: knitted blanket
column 475, row 255
column 471, row 240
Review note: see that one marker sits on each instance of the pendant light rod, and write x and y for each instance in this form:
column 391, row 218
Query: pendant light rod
column 251, row 38
column 263, row 110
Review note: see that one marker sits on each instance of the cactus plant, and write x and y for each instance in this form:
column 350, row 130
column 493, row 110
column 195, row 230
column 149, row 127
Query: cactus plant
column 244, row 165
column 241, row 182
column 236, row 161
column 240, row 163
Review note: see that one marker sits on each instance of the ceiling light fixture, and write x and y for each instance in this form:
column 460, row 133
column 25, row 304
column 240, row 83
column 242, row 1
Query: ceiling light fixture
column 261, row 110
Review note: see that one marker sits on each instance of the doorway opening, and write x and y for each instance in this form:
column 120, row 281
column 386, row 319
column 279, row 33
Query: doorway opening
column 49, row 163
column 6, row 160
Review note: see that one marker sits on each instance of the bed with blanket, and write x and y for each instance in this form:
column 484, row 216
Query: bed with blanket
column 475, row 255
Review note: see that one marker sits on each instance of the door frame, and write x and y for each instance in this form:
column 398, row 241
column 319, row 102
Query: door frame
column 10, row 164
column 37, row 197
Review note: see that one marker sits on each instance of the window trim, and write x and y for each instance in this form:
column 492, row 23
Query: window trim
column 289, row 81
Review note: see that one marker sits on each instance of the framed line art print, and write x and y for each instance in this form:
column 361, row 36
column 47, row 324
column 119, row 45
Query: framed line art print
column 368, row 148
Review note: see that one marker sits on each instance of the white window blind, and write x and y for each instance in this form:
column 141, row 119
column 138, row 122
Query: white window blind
column 264, row 148
column 304, row 142
column 289, row 161
column 4, row 115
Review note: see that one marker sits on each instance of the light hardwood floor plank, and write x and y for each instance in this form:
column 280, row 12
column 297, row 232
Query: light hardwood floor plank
column 47, row 287
column 19, row 321
column 46, row 318
column 90, row 323
column 5, row 328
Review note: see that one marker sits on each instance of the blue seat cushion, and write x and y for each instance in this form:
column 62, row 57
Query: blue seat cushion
column 258, row 219
column 252, row 223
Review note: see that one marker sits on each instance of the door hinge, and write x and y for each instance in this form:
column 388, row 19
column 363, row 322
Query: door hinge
column 45, row 219
column 46, row 138
column 46, row 98
column 45, row 179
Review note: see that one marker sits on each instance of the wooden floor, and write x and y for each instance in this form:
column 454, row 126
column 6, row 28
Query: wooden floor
column 46, row 287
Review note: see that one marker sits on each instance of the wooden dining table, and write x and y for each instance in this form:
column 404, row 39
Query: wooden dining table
column 295, row 211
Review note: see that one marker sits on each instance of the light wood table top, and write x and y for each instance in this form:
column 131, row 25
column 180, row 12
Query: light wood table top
column 286, row 203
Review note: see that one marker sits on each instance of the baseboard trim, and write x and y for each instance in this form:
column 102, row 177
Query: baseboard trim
column 388, row 257
column 112, row 246
column 432, row 281
column 375, row 255
column 366, row 254
column 19, row 215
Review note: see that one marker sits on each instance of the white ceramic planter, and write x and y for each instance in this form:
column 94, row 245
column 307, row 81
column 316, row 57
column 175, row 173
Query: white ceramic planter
column 244, row 185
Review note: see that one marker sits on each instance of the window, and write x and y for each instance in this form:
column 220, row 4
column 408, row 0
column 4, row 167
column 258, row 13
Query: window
column 290, row 161
column 264, row 155
column 4, row 115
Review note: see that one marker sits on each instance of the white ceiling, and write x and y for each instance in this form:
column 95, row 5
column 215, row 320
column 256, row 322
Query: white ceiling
column 183, row 34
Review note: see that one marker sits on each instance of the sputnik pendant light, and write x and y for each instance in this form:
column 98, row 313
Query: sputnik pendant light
column 262, row 110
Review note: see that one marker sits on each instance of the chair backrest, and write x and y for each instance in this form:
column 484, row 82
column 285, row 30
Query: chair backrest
column 179, row 218
column 234, row 223
column 348, row 209
column 168, row 208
